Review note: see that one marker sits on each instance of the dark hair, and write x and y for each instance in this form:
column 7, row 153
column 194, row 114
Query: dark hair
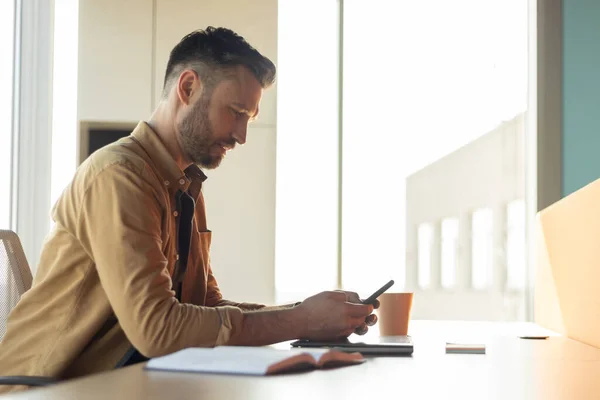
column 211, row 51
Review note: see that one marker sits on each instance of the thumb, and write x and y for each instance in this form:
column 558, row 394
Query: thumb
column 359, row 310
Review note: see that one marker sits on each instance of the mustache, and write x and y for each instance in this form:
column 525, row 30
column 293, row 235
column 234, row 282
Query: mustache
column 230, row 144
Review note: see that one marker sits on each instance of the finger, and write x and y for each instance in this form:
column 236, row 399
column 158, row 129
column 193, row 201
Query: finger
column 352, row 297
column 350, row 326
column 359, row 310
column 376, row 304
column 347, row 333
column 371, row 320
column 338, row 295
column 354, row 323
column 362, row 329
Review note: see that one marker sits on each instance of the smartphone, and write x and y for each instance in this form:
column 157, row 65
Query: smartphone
column 371, row 299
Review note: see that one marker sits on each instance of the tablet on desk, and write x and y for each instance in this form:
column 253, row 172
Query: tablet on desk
column 393, row 345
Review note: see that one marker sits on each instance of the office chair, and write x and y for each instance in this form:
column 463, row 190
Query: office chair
column 15, row 279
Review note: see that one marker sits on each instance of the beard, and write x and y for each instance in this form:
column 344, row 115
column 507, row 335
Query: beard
column 197, row 136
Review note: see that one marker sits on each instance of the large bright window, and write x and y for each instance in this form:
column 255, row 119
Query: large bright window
column 433, row 102
column 421, row 80
column 7, row 63
column 307, row 149
column 373, row 228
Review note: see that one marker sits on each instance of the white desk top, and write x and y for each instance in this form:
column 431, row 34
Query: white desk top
column 512, row 368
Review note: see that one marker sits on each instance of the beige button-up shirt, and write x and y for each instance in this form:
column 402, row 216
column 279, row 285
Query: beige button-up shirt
column 104, row 279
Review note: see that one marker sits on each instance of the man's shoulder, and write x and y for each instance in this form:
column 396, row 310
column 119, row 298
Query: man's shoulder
column 115, row 173
column 125, row 154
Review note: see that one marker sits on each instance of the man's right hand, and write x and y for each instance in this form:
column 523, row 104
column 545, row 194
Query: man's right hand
column 329, row 315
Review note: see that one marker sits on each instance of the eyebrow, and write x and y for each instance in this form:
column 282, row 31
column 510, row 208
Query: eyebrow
column 246, row 111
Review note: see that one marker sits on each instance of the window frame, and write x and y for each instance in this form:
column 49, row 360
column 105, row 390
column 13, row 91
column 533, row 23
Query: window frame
column 32, row 124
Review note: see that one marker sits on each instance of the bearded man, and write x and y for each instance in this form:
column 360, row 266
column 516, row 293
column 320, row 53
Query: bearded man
column 125, row 274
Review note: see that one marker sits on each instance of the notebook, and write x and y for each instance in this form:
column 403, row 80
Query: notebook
column 251, row 360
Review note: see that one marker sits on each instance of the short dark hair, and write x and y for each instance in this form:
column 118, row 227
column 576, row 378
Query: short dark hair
column 211, row 51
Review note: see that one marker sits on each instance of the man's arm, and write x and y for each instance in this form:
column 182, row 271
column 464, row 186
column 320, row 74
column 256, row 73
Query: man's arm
column 280, row 307
column 243, row 306
column 119, row 225
column 327, row 315
column 262, row 327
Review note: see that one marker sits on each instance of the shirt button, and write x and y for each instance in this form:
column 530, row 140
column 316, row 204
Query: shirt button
column 167, row 183
column 175, row 213
column 182, row 181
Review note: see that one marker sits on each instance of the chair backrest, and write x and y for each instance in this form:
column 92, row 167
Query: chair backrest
column 15, row 275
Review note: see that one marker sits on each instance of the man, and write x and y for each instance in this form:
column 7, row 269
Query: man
column 125, row 274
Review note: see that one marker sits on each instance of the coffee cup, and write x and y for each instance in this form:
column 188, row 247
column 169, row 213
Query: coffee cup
column 394, row 313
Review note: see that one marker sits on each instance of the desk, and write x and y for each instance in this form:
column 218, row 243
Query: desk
column 513, row 368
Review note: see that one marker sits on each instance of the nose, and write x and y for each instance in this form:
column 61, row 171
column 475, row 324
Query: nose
column 240, row 133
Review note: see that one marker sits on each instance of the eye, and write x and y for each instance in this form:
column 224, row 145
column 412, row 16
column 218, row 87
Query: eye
column 237, row 113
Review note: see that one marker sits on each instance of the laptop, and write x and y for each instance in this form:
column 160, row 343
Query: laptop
column 391, row 345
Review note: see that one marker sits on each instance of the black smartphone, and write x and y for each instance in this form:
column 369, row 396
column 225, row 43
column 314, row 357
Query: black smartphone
column 371, row 299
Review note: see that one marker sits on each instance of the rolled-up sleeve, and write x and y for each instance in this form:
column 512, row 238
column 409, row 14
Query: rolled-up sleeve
column 119, row 224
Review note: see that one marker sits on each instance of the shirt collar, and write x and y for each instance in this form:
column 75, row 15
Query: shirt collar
column 173, row 177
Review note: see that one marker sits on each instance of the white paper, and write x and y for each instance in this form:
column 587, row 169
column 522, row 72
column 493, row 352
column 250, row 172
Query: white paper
column 227, row 359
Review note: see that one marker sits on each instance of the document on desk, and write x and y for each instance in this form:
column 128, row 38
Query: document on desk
column 251, row 360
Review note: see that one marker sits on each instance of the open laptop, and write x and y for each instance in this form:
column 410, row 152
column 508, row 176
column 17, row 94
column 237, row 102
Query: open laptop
column 567, row 290
column 392, row 345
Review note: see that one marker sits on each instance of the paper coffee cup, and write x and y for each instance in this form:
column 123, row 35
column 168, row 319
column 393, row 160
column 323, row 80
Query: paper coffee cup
column 394, row 313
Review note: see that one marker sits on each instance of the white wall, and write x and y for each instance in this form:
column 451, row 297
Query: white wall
column 115, row 60
column 124, row 46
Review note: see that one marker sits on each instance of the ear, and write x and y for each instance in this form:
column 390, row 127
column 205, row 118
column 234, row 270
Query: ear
column 188, row 85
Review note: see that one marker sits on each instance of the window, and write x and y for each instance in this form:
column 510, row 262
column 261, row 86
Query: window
column 425, row 87
column 373, row 146
column 424, row 248
column 7, row 41
column 307, row 147
column 482, row 242
column 515, row 245
column 432, row 113
column 449, row 251
column 64, row 110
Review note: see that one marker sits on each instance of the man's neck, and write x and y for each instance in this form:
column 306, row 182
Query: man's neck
column 162, row 122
